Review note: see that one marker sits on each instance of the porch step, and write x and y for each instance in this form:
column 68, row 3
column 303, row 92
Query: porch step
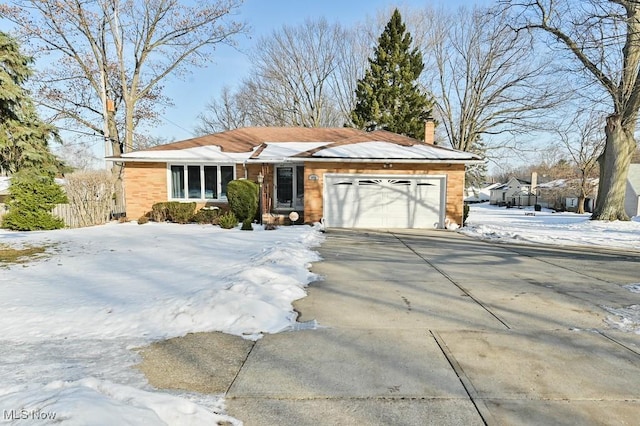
column 281, row 219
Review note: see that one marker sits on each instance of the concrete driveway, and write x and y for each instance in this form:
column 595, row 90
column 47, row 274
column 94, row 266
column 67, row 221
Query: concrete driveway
column 432, row 327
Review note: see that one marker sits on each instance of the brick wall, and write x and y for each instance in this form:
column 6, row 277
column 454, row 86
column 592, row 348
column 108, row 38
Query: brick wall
column 145, row 184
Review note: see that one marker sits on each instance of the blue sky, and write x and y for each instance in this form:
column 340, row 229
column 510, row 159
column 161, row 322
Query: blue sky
column 191, row 94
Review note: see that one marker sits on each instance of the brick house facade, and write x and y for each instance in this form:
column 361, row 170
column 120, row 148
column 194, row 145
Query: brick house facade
column 311, row 171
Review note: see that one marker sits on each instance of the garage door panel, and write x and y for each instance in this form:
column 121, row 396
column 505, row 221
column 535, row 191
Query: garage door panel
column 340, row 194
column 367, row 201
column 360, row 201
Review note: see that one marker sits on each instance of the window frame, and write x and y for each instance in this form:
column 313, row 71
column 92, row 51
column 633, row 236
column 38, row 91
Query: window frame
column 203, row 181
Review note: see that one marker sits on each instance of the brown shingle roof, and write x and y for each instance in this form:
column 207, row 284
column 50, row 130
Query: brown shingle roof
column 245, row 139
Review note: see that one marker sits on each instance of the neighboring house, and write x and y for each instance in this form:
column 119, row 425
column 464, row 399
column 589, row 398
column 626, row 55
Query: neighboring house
column 562, row 194
column 516, row 192
column 632, row 194
column 479, row 195
column 346, row 177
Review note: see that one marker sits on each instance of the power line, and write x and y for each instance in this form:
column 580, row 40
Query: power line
column 178, row 126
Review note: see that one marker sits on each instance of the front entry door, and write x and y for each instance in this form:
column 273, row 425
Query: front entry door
column 289, row 187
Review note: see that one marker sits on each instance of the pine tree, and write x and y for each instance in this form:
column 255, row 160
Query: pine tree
column 388, row 96
column 33, row 196
column 23, row 136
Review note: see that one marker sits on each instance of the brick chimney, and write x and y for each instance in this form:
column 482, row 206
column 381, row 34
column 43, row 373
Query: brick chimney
column 430, row 131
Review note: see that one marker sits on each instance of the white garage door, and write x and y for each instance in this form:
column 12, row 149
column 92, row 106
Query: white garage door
column 389, row 201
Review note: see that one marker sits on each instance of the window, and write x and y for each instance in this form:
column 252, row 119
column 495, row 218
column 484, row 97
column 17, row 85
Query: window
column 177, row 182
column 193, row 179
column 199, row 182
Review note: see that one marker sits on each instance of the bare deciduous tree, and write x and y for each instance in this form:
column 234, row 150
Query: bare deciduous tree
column 603, row 40
column 225, row 113
column 110, row 57
column 485, row 79
column 292, row 81
column 291, row 70
column 584, row 142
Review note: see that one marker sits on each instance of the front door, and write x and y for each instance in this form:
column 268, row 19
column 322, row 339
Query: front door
column 289, row 187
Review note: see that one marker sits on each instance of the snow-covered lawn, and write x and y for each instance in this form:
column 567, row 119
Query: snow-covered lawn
column 70, row 319
column 513, row 225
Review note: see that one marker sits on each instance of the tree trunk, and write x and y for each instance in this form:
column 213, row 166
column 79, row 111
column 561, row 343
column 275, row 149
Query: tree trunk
column 118, row 166
column 614, row 167
column 580, row 208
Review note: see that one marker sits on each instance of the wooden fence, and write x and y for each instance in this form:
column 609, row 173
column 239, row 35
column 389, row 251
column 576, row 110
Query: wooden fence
column 66, row 213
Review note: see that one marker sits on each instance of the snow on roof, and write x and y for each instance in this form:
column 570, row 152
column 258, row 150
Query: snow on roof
column 563, row 183
column 558, row 183
column 199, row 153
column 283, row 150
column 392, row 151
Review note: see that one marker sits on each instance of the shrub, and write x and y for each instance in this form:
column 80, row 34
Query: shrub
column 90, row 195
column 465, row 213
column 173, row 211
column 180, row 212
column 206, row 216
column 243, row 200
column 142, row 220
column 228, row 220
column 32, row 198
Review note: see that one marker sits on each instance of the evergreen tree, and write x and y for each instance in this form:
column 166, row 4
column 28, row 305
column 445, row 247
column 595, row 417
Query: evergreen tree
column 388, row 96
column 33, row 196
column 23, row 136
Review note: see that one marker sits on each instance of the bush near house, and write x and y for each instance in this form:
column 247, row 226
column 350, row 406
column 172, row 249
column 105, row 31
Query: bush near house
column 173, row 211
column 206, row 216
column 228, row 220
column 243, row 200
column 32, row 198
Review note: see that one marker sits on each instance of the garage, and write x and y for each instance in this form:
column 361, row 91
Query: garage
column 384, row 201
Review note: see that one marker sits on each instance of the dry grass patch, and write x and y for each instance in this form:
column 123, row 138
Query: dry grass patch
column 9, row 255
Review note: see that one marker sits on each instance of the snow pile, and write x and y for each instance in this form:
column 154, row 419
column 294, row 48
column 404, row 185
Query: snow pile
column 71, row 319
column 626, row 318
column 512, row 225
